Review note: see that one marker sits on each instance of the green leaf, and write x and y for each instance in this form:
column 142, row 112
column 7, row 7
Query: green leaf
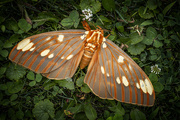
column 85, row 88
column 153, row 114
column 4, row 53
column 118, row 109
column 59, row 115
column 151, row 33
column 93, row 5
column 11, row 24
column 90, row 112
column 145, row 14
column 158, row 87
column 13, row 39
column 80, row 81
column 67, row 22
column 3, row 86
column 136, row 49
column 43, row 110
column 15, row 87
column 38, row 77
column 24, row 25
column 135, row 38
column 15, row 72
column 104, row 19
column 152, row 4
column 30, row 75
column 157, row 44
column 147, row 41
column 20, row 114
column 153, row 77
column 109, row 5
column 32, row 83
column 69, row 84
column 118, row 117
column 147, row 22
column 167, row 8
column 137, row 115
column 13, row 97
column 119, row 27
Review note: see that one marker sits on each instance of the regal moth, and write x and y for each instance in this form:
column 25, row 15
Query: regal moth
column 111, row 73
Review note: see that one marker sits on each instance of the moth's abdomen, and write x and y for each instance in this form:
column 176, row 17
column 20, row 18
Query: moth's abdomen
column 88, row 53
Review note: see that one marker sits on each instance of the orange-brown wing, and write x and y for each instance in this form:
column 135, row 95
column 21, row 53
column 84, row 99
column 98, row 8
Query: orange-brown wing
column 121, row 77
column 55, row 54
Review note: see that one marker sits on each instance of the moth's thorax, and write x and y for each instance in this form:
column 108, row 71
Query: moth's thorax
column 94, row 39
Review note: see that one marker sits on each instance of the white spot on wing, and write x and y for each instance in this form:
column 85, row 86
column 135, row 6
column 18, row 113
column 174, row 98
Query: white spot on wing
column 104, row 45
column 23, row 43
column 104, row 39
column 118, row 80
column 32, row 48
column 48, row 38
column 120, row 59
column 45, row 52
column 69, row 57
column 60, row 38
column 51, row 55
column 143, row 87
column 149, row 86
column 125, row 81
column 137, row 85
column 102, row 70
column 28, row 46
column 82, row 37
column 62, row 57
column 130, row 67
column 108, row 74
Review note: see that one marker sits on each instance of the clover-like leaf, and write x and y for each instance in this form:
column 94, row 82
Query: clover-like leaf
column 136, row 49
column 90, row 112
column 24, row 25
column 109, row 5
column 15, row 87
column 30, row 75
column 93, row 5
column 15, row 72
column 43, row 110
column 137, row 115
column 135, row 38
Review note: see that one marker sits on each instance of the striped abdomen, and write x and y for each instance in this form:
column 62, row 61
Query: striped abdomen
column 88, row 53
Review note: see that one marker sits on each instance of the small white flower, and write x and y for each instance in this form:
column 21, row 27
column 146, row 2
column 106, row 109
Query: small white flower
column 155, row 69
column 87, row 13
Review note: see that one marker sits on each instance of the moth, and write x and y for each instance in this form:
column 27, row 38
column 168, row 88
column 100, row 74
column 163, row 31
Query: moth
column 111, row 73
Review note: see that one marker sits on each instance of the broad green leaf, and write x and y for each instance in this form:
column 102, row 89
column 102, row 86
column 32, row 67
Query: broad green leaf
column 147, row 22
column 147, row 41
column 157, row 44
column 32, row 83
column 160, row 37
column 67, row 22
column 15, row 87
column 85, row 88
column 153, row 114
column 118, row 117
column 104, row 19
column 109, row 5
column 80, row 81
column 13, row 39
column 151, row 33
column 146, row 14
column 30, row 75
column 66, row 83
column 167, row 8
column 118, row 109
column 137, row 115
column 74, row 16
column 153, row 57
column 48, row 85
column 24, row 25
column 153, row 77
column 59, row 115
column 135, row 38
column 3, row 86
column 136, row 49
column 38, row 77
column 90, row 112
column 13, row 97
column 106, row 114
column 4, row 53
column 20, row 114
column 43, row 110
column 11, row 24
column 152, row 4
column 119, row 27
column 158, row 87
column 15, row 72
column 93, row 5
column 78, row 108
